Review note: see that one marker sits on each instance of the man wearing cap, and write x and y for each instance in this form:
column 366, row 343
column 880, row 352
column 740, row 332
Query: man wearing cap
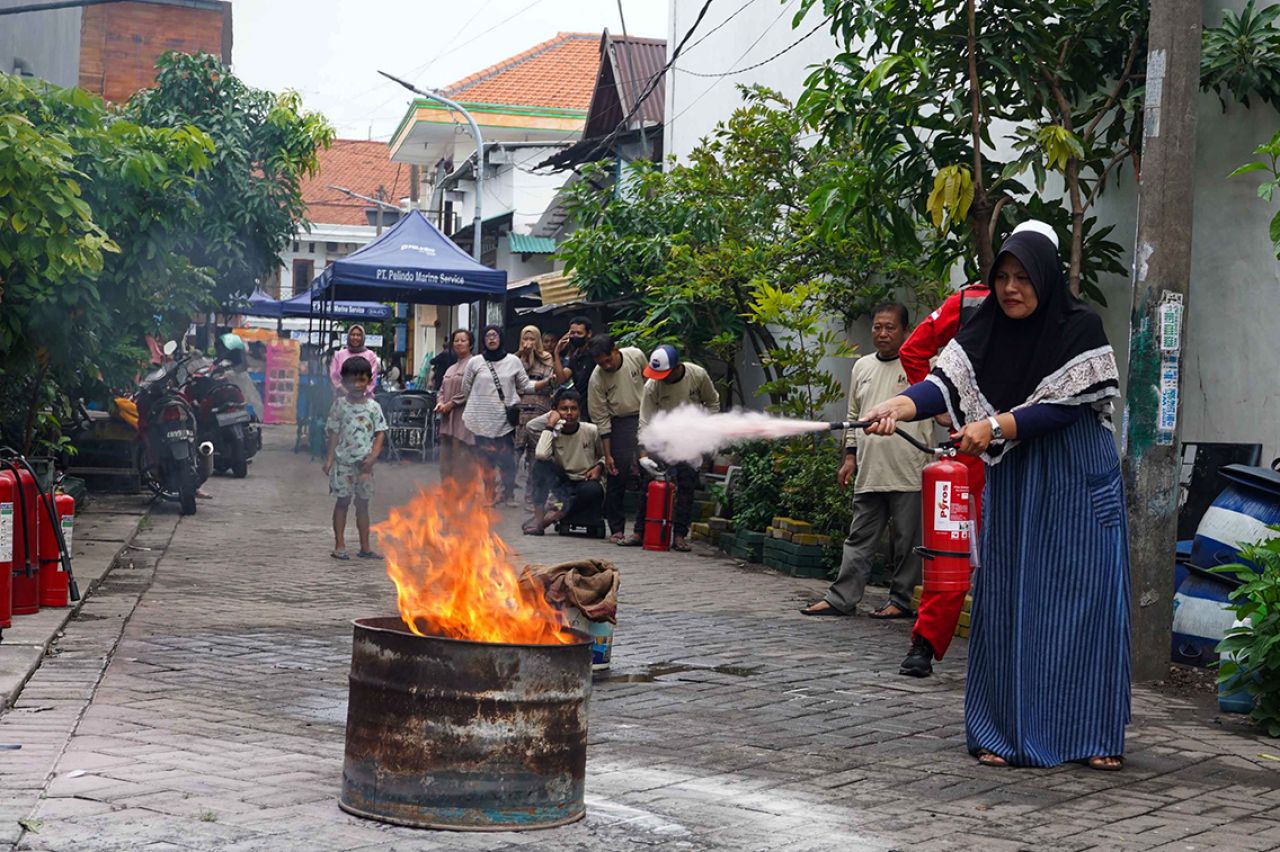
column 671, row 384
column 615, row 389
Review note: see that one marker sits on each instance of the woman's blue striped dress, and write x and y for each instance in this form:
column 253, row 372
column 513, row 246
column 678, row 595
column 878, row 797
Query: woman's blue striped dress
column 1049, row 643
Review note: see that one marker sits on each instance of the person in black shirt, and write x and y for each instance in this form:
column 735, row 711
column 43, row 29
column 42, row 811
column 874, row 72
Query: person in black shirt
column 574, row 362
column 443, row 361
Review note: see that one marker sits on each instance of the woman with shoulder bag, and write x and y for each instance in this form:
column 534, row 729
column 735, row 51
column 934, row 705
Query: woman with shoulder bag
column 492, row 385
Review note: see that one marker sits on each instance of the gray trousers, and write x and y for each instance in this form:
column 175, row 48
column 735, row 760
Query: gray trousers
column 871, row 511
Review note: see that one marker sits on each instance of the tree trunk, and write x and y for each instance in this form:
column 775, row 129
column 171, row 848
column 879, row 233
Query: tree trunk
column 1077, row 225
column 980, row 223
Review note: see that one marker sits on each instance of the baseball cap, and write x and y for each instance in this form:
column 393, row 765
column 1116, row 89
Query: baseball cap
column 1044, row 229
column 663, row 360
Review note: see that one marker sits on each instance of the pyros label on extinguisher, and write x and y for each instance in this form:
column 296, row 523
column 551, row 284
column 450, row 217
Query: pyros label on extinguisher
column 6, row 532
column 951, row 509
column 67, row 525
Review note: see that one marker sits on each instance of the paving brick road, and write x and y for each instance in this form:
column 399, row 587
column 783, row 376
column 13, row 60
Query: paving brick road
column 198, row 702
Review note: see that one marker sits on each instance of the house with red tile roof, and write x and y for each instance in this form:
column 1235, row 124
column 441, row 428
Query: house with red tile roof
column 342, row 221
column 531, row 108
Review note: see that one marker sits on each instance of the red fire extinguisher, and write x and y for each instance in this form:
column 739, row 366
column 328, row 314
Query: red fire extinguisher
column 947, row 526
column 659, row 509
column 54, row 588
column 26, row 566
column 9, row 552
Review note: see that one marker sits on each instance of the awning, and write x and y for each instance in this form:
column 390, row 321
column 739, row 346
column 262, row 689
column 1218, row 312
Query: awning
column 302, row 305
column 526, row 244
column 412, row 262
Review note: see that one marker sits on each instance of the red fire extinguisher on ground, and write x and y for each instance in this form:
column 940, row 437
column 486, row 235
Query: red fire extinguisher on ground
column 54, row 586
column 659, row 508
column 26, row 566
column 9, row 552
column 946, row 526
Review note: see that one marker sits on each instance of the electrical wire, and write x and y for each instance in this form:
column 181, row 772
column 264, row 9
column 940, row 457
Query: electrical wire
column 784, row 50
column 653, row 84
column 709, row 33
column 670, row 120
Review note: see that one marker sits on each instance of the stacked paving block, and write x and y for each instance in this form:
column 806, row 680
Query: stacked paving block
column 962, row 626
column 792, row 547
column 744, row 545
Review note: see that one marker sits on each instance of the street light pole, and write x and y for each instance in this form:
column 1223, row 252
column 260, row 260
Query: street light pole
column 475, row 132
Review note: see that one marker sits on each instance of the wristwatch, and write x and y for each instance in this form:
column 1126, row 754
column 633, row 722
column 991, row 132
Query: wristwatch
column 997, row 434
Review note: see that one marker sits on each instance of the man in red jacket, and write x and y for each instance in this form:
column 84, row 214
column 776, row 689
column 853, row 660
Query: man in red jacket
column 939, row 612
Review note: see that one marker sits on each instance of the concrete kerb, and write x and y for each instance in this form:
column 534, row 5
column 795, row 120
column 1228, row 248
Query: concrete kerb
column 26, row 643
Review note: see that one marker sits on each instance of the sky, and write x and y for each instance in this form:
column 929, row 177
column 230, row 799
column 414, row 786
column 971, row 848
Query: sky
column 330, row 50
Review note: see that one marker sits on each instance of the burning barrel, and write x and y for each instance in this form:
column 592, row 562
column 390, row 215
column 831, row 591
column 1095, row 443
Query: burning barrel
column 464, row 735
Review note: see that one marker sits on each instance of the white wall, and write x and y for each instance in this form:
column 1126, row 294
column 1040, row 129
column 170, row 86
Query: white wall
column 48, row 43
column 508, row 185
column 313, row 246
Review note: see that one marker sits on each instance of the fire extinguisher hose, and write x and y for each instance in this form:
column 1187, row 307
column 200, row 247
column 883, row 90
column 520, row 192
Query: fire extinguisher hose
column 73, row 588
column 946, row 448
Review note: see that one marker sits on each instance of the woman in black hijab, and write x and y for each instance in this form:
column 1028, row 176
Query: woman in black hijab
column 1029, row 384
column 492, row 385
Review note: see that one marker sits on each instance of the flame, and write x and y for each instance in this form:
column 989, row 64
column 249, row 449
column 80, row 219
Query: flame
column 454, row 576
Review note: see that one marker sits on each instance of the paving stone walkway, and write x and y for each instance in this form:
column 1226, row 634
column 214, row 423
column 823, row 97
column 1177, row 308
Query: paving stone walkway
column 198, row 702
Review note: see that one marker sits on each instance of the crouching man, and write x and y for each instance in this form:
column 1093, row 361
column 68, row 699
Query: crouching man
column 568, row 464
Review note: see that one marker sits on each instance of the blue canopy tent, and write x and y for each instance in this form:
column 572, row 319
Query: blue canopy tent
column 411, row 262
column 307, row 304
column 259, row 304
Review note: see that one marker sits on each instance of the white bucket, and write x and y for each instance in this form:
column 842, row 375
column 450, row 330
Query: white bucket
column 601, row 633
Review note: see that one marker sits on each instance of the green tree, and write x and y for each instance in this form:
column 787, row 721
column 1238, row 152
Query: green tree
column 725, row 247
column 99, row 204
column 940, row 83
column 264, row 144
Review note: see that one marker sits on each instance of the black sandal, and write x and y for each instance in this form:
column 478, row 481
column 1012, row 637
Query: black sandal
column 830, row 610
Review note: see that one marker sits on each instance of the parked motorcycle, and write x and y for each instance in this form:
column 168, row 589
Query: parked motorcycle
column 222, row 417
column 170, row 461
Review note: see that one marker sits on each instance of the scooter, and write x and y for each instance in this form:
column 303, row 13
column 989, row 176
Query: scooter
column 222, row 417
column 170, row 462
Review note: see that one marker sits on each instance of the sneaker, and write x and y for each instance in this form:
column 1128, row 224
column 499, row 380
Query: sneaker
column 919, row 661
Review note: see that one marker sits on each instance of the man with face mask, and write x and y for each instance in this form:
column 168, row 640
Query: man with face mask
column 574, row 363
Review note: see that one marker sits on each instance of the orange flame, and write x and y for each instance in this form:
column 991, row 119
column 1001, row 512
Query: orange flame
column 454, row 576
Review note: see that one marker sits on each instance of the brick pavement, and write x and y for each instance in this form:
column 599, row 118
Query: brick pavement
column 729, row 721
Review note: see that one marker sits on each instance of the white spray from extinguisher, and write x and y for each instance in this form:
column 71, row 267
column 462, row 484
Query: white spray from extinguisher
column 688, row 433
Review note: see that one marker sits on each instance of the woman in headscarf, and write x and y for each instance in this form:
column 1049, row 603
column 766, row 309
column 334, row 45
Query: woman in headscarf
column 355, row 348
column 492, row 384
column 1029, row 384
column 538, row 365
column 456, row 441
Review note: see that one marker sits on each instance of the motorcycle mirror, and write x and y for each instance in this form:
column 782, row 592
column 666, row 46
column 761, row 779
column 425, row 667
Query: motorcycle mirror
column 171, row 347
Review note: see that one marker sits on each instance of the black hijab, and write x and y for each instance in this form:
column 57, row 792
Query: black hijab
column 1059, row 354
column 492, row 354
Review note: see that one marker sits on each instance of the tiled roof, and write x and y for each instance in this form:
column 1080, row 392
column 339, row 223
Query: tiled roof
column 558, row 73
column 359, row 166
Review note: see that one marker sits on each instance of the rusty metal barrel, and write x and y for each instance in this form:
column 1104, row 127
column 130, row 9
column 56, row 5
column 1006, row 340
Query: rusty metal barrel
column 469, row 736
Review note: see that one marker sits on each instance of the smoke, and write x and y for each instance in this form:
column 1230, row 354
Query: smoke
column 688, row 432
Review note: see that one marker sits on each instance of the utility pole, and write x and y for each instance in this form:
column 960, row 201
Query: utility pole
column 1161, row 279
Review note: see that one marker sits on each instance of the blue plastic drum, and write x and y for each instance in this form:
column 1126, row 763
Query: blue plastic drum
column 1240, row 515
column 1201, row 617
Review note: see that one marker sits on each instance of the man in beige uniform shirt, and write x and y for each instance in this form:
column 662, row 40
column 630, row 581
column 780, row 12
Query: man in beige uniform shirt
column 886, row 477
column 613, row 395
column 569, row 462
column 673, row 383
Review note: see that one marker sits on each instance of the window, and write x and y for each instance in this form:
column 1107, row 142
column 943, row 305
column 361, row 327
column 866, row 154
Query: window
column 303, row 272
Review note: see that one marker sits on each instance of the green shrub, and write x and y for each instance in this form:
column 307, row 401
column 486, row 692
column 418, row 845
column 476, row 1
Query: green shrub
column 1255, row 646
